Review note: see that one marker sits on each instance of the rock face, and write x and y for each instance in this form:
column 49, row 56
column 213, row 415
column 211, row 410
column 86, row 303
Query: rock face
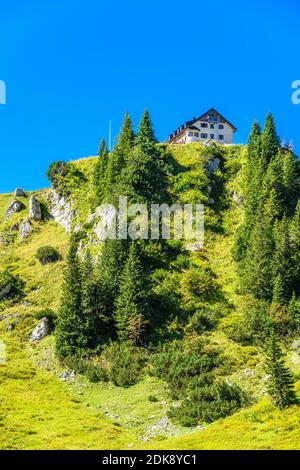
column 61, row 210
column 5, row 291
column 213, row 165
column 40, row 331
column 19, row 192
column 25, row 229
column 35, row 211
column 15, row 206
column 239, row 199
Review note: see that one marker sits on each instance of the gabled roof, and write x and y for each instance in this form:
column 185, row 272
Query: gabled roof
column 217, row 112
column 189, row 124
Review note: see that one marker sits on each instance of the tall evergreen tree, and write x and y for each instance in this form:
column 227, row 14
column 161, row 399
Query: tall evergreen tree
column 146, row 132
column 281, row 383
column 270, row 142
column 257, row 273
column 88, row 304
column 119, row 157
column 282, row 264
column 131, row 303
column 70, row 325
column 100, row 174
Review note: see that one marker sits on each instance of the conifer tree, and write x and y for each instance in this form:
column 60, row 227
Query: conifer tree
column 145, row 179
column 269, row 140
column 281, row 383
column 257, row 274
column 88, row 300
column 119, row 156
column 100, row 174
column 70, row 325
column 131, row 303
column 282, row 265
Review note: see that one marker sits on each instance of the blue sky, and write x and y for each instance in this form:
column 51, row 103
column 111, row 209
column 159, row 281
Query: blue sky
column 71, row 66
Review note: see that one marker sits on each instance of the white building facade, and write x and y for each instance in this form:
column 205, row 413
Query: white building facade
column 211, row 126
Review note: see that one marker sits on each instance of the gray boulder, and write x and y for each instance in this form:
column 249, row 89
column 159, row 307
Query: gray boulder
column 40, row 331
column 213, row 165
column 35, row 210
column 239, row 199
column 19, row 192
column 25, row 229
column 14, row 206
column 5, row 291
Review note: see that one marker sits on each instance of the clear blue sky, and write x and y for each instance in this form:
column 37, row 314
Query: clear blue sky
column 70, row 66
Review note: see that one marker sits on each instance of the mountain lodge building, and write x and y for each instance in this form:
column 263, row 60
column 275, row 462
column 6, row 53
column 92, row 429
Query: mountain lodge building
column 210, row 126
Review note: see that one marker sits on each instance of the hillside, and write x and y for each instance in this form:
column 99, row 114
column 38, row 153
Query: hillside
column 44, row 405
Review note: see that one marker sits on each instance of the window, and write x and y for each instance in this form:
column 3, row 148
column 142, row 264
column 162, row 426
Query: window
column 190, row 134
column 212, row 126
column 221, row 126
column 212, row 136
column 221, row 137
column 213, row 119
column 204, row 124
column 196, row 134
column 204, row 136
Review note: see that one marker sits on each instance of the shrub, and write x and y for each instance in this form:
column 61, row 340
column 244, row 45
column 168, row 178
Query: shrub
column 56, row 169
column 47, row 254
column 64, row 177
column 81, row 365
column 153, row 398
column 126, row 363
column 49, row 314
column 10, row 285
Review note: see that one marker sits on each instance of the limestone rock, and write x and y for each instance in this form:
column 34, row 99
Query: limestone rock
column 5, row 291
column 239, row 199
column 35, row 210
column 25, row 229
column 15, row 227
column 213, row 165
column 61, row 210
column 40, row 331
column 15, row 206
column 19, row 192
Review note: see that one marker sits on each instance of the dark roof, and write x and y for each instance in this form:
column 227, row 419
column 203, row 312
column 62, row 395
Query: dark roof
column 189, row 124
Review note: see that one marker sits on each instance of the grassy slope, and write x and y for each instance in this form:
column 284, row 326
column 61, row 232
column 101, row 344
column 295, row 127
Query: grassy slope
column 39, row 411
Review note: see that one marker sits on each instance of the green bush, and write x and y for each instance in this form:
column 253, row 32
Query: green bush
column 10, row 285
column 49, row 314
column 47, row 254
column 64, row 177
column 81, row 365
column 126, row 363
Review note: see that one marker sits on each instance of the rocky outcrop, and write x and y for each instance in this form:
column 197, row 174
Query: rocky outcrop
column 15, row 206
column 239, row 199
column 61, row 210
column 19, row 192
column 35, row 210
column 5, row 291
column 25, row 229
column 213, row 165
column 40, row 331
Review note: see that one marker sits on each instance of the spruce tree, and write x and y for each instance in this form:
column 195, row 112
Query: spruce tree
column 100, row 174
column 70, row 325
column 88, row 300
column 281, row 383
column 257, row 267
column 131, row 303
column 146, row 132
column 269, row 140
column 118, row 159
column 282, row 264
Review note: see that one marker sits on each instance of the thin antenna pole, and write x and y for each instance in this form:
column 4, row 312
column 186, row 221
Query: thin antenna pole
column 109, row 135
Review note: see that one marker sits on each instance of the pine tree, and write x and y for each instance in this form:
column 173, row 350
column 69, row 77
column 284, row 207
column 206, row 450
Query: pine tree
column 257, row 272
column 108, row 272
column 295, row 248
column 118, row 158
column 270, row 142
column 131, row 303
column 146, row 132
column 70, row 325
column 88, row 303
column 281, row 383
column 144, row 177
column 282, row 265
column 99, row 176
